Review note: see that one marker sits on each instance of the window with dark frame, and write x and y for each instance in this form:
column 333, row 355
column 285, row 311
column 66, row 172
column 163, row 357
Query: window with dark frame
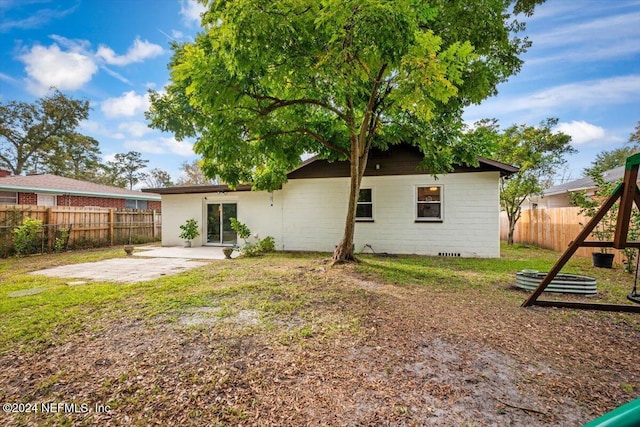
column 364, row 208
column 429, row 203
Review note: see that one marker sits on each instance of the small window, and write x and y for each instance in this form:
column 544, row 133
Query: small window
column 46, row 200
column 8, row 198
column 429, row 203
column 364, row 208
column 135, row 204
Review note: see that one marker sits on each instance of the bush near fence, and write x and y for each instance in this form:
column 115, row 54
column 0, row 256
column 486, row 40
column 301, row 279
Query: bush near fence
column 553, row 228
column 65, row 227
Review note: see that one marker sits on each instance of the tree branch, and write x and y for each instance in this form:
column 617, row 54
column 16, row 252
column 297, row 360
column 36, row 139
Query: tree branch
column 312, row 134
column 281, row 103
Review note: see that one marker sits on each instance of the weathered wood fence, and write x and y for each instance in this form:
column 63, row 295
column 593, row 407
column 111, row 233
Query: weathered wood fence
column 81, row 227
column 553, row 228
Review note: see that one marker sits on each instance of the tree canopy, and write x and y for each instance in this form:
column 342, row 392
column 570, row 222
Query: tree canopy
column 266, row 81
column 126, row 169
column 37, row 131
column 537, row 150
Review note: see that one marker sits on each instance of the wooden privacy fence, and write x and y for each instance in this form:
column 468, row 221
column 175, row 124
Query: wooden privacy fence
column 77, row 227
column 553, row 228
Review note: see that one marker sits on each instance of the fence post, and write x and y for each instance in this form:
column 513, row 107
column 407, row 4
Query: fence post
column 51, row 233
column 111, row 216
column 153, row 224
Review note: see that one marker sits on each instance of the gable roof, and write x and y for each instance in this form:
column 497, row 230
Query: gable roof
column 54, row 184
column 584, row 183
column 398, row 160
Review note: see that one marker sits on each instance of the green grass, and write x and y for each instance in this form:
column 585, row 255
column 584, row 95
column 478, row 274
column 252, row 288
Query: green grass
column 276, row 285
column 475, row 274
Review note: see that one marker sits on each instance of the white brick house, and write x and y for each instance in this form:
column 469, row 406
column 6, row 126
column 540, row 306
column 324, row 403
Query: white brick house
column 402, row 210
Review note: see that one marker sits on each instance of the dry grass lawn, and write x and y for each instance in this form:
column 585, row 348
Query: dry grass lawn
column 286, row 340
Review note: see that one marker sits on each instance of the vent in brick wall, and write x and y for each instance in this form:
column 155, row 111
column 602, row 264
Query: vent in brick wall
column 454, row 254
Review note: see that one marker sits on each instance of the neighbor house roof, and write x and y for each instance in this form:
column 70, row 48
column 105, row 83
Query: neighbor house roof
column 54, row 184
column 585, row 183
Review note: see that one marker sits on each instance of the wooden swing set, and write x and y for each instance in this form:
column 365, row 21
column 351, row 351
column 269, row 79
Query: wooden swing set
column 628, row 193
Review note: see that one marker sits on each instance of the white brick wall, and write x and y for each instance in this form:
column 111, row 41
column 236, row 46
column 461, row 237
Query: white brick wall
column 309, row 214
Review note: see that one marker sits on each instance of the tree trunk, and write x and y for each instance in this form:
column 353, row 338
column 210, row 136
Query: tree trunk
column 344, row 249
column 512, row 228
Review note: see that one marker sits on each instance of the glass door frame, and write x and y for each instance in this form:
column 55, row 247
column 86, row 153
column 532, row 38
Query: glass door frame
column 221, row 241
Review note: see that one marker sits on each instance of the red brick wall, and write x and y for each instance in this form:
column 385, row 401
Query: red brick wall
column 67, row 200
column 27, row 199
column 102, row 202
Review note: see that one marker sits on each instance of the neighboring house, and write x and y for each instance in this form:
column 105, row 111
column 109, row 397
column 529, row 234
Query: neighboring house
column 558, row 195
column 401, row 209
column 53, row 190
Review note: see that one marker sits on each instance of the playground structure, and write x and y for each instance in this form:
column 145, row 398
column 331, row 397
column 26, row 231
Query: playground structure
column 629, row 194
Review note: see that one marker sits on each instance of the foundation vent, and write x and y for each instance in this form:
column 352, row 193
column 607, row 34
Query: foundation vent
column 453, row 254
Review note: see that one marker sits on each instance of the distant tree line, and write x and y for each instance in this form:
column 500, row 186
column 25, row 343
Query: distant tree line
column 42, row 137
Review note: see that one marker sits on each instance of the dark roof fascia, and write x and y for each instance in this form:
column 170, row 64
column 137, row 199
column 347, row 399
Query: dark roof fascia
column 504, row 168
column 197, row 189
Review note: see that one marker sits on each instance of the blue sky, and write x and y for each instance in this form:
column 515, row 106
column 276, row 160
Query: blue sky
column 583, row 68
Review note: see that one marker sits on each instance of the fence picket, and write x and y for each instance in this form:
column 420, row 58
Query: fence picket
column 88, row 226
column 553, row 228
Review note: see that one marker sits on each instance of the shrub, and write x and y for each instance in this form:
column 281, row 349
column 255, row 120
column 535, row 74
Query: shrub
column 267, row 244
column 189, row 230
column 25, row 237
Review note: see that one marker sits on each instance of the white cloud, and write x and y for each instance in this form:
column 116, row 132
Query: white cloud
column 49, row 66
column 115, row 75
column 138, row 52
column 586, row 94
column 36, row 19
column 181, row 148
column 581, row 132
column 614, row 27
column 150, row 147
column 127, row 105
column 161, row 145
column 191, row 11
column 135, row 129
column 7, row 78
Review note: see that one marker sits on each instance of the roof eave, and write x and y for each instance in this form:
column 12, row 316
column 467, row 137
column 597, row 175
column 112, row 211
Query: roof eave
column 22, row 189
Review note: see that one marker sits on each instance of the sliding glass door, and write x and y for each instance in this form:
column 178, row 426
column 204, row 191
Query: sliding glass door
column 219, row 231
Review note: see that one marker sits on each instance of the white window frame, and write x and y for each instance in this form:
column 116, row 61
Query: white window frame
column 137, row 204
column 440, row 202
column 15, row 198
column 372, row 203
column 41, row 196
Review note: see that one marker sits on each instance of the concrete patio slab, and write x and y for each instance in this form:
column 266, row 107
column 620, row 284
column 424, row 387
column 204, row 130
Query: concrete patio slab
column 200, row 252
column 123, row 270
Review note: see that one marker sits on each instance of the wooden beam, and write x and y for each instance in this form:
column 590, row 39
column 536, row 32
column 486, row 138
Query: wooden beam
column 625, row 308
column 592, row 244
column 627, row 198
column 573, row 247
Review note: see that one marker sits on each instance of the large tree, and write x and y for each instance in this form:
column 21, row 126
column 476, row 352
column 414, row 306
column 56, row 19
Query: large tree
column 268, row 80
column 126, row 169
column 537, row 150
column 192, row 174
column 610, row 159
column 30, row 131
column 74, row 156
column 158, row 178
